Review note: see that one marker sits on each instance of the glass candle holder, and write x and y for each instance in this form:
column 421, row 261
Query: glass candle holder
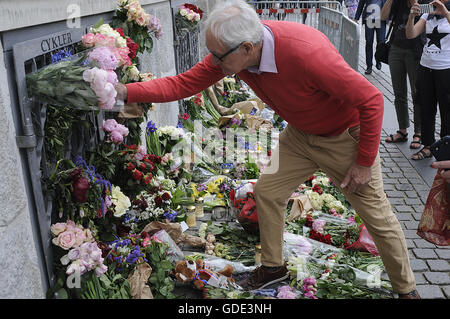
column 191, row 219
column 199, row 212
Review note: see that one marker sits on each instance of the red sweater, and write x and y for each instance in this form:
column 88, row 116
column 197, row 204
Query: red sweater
column 315, row 90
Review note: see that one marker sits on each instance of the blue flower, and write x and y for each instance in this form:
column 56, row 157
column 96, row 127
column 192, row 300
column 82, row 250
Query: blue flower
column 151, row 127
column 180, row 125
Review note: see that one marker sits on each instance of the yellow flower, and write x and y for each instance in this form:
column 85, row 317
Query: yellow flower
column 213, row 188
column 194, row 190
column 220, row 195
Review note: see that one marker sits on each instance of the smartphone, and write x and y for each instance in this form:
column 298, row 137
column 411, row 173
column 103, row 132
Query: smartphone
column 441, row 149
column 426, row 8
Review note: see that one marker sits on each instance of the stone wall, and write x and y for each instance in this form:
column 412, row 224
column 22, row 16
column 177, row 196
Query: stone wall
column 20, row 275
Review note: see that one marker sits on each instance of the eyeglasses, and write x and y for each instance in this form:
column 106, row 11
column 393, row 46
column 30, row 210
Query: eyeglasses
column 221, row 58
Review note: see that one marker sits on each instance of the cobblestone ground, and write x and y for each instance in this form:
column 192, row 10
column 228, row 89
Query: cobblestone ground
column 407, row 190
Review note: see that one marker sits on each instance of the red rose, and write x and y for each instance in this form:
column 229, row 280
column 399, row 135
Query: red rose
column 130, row 166
column 133, row 46
column 148, row 178
column 137, row 175
column 80, row 187
column 158, row 201
column 185, row 116
column 309, row 220
column 120, row 30
column 317, row 189
column 166, row 196
column 142, row 166
column 194, row 8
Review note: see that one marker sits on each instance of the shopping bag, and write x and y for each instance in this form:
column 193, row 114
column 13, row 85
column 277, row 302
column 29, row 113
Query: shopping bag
column 434, row 226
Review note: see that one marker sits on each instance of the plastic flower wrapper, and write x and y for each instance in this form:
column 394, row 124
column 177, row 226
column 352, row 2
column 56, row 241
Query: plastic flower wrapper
column 83, row 81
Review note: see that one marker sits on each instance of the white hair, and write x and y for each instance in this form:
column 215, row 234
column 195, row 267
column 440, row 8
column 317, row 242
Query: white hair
column 235, row 21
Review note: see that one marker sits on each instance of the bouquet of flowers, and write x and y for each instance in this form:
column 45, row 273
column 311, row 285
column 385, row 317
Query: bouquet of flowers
column 83, row 81
column 234, row 91
column 83, row 253
column 188, row 17
column 324, row 271
column 161, row 140
column 82, row 194
column 135, row 169
column 103, row 35
column 151, row 205
column 136, row 24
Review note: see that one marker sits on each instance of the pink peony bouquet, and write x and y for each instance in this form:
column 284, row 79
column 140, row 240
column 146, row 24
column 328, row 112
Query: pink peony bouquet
column 84, row 81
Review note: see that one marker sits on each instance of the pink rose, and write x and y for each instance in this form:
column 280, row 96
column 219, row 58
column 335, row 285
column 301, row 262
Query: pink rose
column 140, row 153
column 66, row 240
column 318, row 225
column 58, row 228
column 88, row 40
column 80, row 236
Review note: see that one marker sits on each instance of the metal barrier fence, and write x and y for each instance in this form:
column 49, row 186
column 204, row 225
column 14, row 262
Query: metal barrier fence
column 330, row 25
column 349, row 45
column 305, row 12
column 326, row 16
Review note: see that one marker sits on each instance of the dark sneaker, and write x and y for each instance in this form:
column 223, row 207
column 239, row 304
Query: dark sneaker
column 264, row 276
column 412, row 295
column 368, row 71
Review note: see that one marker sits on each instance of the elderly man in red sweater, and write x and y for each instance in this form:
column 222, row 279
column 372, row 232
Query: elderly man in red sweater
column 334, row 115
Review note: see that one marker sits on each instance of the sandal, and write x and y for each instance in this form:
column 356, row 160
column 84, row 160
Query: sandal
column 402, row 138
column 420, row 155
column 416, row 144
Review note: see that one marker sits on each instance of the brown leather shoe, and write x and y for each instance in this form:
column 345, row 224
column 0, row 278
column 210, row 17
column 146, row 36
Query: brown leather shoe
column 411, row 295
column 264, row 276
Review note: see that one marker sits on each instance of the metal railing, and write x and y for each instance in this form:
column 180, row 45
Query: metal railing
column 305, row 12
column 329, row 17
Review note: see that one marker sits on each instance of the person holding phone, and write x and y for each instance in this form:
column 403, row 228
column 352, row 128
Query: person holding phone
column 404, row 57
column 433, row 84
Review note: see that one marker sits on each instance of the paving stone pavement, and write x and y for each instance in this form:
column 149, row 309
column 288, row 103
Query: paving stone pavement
column 407, row 184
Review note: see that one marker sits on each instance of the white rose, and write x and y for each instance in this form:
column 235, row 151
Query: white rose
column 183, row 12
column 190, row 16
column 133, row 73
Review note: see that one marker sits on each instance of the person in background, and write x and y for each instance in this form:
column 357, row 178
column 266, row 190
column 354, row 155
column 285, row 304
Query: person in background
column 433, row 83
column 370, row 11
column 352, row 6
column 298, row 73
column 404, row 57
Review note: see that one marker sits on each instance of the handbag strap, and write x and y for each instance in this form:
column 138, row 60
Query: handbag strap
column 389, row 31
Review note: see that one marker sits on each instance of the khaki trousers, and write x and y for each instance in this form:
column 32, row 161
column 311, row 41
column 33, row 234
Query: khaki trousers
column 302, row 154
